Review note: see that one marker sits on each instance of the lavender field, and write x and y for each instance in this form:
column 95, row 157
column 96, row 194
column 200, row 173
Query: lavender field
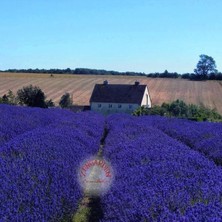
column 165, row 169
column 39, row 156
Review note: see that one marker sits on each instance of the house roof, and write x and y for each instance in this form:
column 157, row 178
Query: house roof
column 118, row 93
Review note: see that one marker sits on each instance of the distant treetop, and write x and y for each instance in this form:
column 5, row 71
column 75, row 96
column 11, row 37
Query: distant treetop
column 205, row 67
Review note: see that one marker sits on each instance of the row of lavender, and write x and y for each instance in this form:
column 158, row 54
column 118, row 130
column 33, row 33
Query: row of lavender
column 204, row 137
column 158, row 178
column 16, row 120
column 39, row 156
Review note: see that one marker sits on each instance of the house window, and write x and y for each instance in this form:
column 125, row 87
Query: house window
column 99, row 105
column 130, row 106
column 119, row 106
column 110, row 105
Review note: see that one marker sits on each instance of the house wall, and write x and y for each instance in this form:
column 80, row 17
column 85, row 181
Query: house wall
column 146, row 101
column 105, row 109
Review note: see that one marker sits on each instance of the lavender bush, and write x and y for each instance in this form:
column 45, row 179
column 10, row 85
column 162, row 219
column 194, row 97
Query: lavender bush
column 204, row 137
column 158, row 178
column 38, row 167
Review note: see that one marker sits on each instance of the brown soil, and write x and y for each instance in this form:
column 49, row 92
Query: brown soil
column 207, row 93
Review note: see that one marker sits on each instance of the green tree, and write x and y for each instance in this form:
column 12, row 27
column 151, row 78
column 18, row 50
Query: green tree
column 206, row 66
column 65, row 101
column 31, row 96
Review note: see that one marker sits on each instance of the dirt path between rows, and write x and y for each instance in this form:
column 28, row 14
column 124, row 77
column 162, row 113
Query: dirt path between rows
column 90, row 209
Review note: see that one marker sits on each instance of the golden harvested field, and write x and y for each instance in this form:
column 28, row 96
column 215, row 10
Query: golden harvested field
column 207, row 93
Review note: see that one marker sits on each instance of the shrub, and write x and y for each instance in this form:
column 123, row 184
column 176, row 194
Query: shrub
column 65, row 101
column 49, row 103
column 8, row 98
column 180, row 109
column 32, row 96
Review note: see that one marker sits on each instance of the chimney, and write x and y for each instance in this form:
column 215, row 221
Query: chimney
column 105, row 82
column 137, row 83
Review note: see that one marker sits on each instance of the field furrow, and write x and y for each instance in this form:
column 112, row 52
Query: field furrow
column 207, row 93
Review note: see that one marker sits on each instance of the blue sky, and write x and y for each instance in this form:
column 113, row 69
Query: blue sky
column 122, row 35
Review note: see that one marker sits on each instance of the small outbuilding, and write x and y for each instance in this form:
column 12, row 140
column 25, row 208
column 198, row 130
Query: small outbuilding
column 115, row 98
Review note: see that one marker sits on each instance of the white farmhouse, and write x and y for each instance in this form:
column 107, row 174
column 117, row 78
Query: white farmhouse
column 114, row 98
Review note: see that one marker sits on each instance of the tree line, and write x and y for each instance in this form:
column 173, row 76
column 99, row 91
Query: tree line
column 205, row 70
column 77, row 71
